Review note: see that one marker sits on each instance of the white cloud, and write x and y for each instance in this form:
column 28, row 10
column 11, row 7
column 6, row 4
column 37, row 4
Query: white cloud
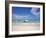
column 19, row 16
column 34, row 11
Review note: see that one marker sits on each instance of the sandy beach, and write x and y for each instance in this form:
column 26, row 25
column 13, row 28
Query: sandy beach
column 25, row 26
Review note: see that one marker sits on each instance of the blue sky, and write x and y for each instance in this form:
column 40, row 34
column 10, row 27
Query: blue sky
column 31, row 13
column 21, row 10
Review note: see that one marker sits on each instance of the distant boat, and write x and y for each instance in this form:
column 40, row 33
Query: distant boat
column 25, row 20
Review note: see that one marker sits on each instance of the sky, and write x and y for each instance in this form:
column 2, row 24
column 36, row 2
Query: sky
column 21, row 10
column 30, row 13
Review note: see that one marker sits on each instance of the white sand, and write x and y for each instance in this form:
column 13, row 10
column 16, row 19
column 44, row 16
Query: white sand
column 25, row 26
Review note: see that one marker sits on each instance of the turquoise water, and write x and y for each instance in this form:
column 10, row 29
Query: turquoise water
column 26, row 21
